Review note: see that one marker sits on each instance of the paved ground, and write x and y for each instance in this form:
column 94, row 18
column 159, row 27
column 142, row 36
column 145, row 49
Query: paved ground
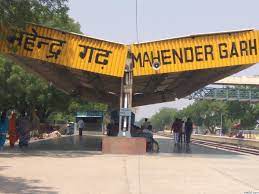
column 73, row 165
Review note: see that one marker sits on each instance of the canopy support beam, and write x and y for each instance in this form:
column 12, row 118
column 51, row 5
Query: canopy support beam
column 126, row 100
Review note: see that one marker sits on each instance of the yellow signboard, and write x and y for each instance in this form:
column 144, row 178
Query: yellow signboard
column 196, row 52
column 68, row 49
column 158, row 57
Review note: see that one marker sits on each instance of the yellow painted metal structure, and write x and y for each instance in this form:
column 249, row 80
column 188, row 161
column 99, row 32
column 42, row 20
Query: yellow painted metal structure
column 182, row 65
column 196, row 52
column 68, row 49
column 109, row 58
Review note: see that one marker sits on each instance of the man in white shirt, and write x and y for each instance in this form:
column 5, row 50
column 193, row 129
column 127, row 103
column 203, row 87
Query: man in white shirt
column 147, row 127
column 145, row 124
column 81, row 125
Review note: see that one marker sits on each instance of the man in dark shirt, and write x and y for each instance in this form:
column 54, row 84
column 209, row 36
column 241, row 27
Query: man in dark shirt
column 188, row 130
column 176, row 128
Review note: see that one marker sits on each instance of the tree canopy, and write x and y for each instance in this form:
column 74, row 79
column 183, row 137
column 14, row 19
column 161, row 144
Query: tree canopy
column 17, row 13
column 24, row 91
column 210, row 115
column 51, row 13
column 163, row 118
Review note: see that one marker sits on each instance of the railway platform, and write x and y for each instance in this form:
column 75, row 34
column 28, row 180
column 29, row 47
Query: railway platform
column 73, row 165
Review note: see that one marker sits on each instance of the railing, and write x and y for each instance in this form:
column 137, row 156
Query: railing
column 229, row 94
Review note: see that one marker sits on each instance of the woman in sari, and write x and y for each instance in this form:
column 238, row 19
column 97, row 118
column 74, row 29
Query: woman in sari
column 3, row 129
column 13, row 135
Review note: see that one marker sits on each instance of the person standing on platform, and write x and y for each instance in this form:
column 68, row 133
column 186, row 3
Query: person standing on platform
column 109, row 129
column 188, row 130
column 3, row 129
column 13, row 135
column 145, row 124
column 23, row 129
column 175, row 129
column 180, row 129
column 183, row 132
column 35, row 124
column 81, row 126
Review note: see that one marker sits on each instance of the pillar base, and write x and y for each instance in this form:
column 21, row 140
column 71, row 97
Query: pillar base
column 123, row 145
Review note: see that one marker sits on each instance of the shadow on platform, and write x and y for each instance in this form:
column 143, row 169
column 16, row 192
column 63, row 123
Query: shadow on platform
column 65, row 147
column 21, row 185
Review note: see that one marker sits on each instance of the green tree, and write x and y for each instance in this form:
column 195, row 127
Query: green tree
column 206, row 113
column 19, row 91
column 163, row 118
column 23, row 91
column 203, row 113
column 16, row 13
column 209, row 114
column 243, row 112
column 70, row 25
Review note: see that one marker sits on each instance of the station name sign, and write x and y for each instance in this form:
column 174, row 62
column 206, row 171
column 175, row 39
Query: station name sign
column 109, row 58
column 192, row 53
column 68, row 49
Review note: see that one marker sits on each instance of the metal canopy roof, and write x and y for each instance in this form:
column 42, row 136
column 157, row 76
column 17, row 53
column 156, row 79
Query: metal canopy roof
column 168, row 87
column 106, row 89
column 93, row 68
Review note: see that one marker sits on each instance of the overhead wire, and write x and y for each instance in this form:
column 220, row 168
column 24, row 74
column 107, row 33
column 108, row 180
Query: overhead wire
column 136, row 22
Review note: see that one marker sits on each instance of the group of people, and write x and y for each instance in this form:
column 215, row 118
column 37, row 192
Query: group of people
column 182, row 130
column 21, row 128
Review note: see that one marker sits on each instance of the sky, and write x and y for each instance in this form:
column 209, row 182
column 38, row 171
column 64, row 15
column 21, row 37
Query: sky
column 115, row 20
